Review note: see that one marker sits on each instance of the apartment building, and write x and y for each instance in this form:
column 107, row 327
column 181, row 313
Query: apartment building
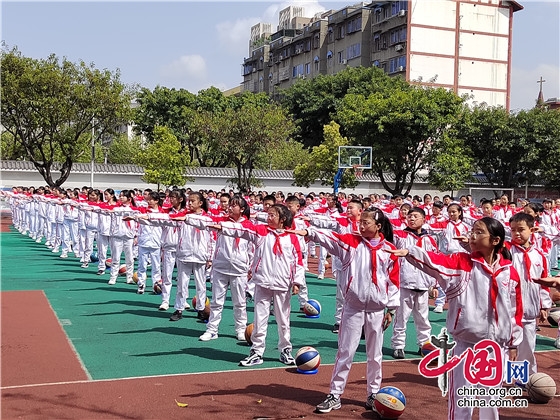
column 462, row 45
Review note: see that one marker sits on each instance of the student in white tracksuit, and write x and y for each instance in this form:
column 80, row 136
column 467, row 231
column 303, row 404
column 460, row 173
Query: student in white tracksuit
column 447, row 231
column 194, row 255
column 230, row 265
column 104, row 230
column 70, row 226
column 530, row 263
column 149, row 245
column 59, row 219
column 277, row 273
column 484, row 298
column 122, row 234
column 370, row 278
column 341, row 224
column 414, row 285
column 91, row 220
column 169, row 240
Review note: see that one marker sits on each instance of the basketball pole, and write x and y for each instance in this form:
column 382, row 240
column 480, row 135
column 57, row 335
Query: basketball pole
column 92, row 149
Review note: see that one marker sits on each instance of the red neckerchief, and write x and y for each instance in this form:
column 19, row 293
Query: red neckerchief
column 374, row 250
column 526, row 260
column 494, row 284
column 277, row 247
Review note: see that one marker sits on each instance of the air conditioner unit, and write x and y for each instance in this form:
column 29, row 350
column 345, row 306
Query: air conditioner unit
column 281, row 57
column 402, row 13
column 400, row 68
column 344, row 61
column 399, row 48
column 254, row 70
column 298, row 51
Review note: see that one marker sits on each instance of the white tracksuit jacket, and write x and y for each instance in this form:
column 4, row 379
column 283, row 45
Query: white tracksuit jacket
column 412, row 277
column 474, row 314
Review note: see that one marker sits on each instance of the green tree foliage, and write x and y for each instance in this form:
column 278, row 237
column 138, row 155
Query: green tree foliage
column 314, row 102
column 243, row 134
column 49, row 106
column 10, row 149
column 541, row 128
column 187, row 115
column 510, row 149
column 452, row 165
column 403, row 127
column 323, row 162
column 162, row 161
column 286, row 155
column 124, row 150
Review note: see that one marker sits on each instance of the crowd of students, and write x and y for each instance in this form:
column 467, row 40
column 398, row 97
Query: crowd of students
column 388, row 255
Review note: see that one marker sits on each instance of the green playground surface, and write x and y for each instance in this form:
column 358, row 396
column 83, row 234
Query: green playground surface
column 120, row 334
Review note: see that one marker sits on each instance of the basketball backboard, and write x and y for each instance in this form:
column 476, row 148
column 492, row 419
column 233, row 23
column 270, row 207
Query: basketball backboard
column 354, row 157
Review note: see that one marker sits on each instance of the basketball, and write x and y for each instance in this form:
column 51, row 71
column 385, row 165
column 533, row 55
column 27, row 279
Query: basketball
column 194, row 302
column 122, row 270
column 157, row 287
column 248, row 333
column 307, row 360
column 205, row 313
column 93, row 257
column 390, row 402
column 541, row 388
column 134, row 277
column 553, row 316
column 108, row 262
column 312, row 308
column 427, row 348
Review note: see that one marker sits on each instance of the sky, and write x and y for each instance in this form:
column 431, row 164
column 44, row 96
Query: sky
column 195, row 45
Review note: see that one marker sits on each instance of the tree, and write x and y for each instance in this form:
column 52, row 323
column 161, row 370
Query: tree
column 242, row 135
column 187, row 115
column 162, row 161
column 285, row 155
column 509, row 149
column 403, row 127
column 314, row 102
column 452, row 166
column 50, row 105
column 123, row 149
column 323, row 163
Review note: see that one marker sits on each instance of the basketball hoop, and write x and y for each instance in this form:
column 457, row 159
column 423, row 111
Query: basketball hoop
column 358, row 171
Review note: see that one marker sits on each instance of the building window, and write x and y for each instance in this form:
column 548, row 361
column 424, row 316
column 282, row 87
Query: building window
column 340, row 57
column 330, row 34
column 378, row 14
column 384, row 41
column 354, row 25
column 353, row 51
column 376, row 42
column 307, row 68
column 316, row 40
column 397, row 6
column 297, row 70
column 340, row 32
column 397, row 64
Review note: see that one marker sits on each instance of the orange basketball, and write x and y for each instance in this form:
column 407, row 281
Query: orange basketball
column 248, row 333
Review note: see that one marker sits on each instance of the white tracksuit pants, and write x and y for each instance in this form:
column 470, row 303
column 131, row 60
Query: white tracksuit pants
column 457, row 380
column 88, row 250
column 184, row 271
column 281, row 301
column 348, row 342
column 102, row 247
column 526, row 349
column 237, row 285
column 440, row 300
column 154, row 256
column 321, row 265
column 417, row 304
column 118, row 245
column 167, row 267
column 69, row 236
column 81, row 243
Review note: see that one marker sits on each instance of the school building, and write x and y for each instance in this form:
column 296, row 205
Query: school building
column 461, row 45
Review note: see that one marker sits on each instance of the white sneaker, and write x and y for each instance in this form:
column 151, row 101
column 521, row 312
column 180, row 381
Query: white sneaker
column 64, row 255
column 112, row 281
column 129, row 280
column 55, row 250
column 207, row 336
column 438, row 309
column 187, row 306
column 241, row 336
column 557, row 343
column 38, row 240
column 321, row 276
column 164, row 306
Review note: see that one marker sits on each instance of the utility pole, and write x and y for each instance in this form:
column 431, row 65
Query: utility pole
column 92, row 149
